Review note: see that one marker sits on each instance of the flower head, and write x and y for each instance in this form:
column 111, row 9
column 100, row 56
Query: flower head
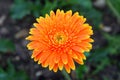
column 59, row 39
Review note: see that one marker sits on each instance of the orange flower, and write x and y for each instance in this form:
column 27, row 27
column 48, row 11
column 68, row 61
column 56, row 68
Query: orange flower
column 60, row 39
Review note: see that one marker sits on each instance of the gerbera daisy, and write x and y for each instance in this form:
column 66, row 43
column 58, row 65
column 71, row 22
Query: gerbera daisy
column 59, row 39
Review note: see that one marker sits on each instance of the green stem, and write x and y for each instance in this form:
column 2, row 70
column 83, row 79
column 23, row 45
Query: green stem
column 113, row 9
column 66, row 75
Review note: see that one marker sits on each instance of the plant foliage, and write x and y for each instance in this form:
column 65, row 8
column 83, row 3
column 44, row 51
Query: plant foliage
column 115, row 7
column 6, row 45
column 22, row 8
column 11, row 74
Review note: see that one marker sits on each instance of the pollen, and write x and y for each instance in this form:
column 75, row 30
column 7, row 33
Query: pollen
column 60, row 38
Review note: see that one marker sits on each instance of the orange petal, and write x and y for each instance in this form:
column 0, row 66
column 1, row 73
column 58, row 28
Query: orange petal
column 48, row 60
column 40, row 19
column 83, row 37
column 80, row 61
column 75, row 16
column 40, row 28
column 51, row 62
column 58, row 12
column 55, row 68
column 86, row 32
column 85, row 27
column 64, row 58
column 73, row 55
column 71, row 63
column 89, row 40
column 36, row 58
column 60, row 65
column 83, row 56
column 35, row 53
column 44, row 64
column 52, row 15
column 78, row 24
column 31, row 45
column 56, row 58
column 77, row 48
column 31, row 37
column 51, row 65
column 68, row 15
column 78, row 55
column 67, row 68
column 44, row 56
column 85, row 48
column 87, row 44
column 34, row 31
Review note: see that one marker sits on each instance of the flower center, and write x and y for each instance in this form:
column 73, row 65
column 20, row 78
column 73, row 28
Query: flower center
column 60, row 38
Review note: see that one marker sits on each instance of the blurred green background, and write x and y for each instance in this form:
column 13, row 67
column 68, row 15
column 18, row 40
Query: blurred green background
column 17, row 17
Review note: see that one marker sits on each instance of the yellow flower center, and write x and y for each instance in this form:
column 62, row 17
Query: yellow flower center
column 60, row 38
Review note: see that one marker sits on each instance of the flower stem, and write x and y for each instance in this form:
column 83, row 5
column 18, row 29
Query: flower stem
column 66, row 75
column 112, row 7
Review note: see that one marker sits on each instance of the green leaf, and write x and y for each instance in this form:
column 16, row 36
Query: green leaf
column 48, row 7
column 80, row 70
column 6, row 46
column 3, row 74
column 113, row 43
column 101, row 66
column 93, row 16
column 115, row 7
column 12, row 74
column 36, row 8
column 112, row 48
column 86, row 9
column 10, row 69
column 20, row 9
column 86, row 3
column 99, row 54
column 21, row 75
